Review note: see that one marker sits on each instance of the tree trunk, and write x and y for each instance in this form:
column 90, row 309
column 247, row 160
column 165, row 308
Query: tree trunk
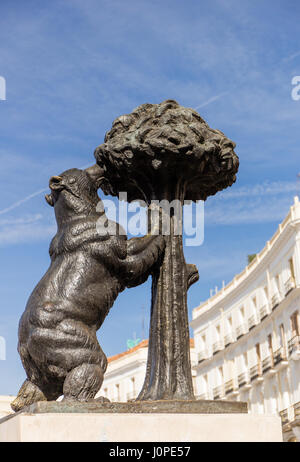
column 168, row 374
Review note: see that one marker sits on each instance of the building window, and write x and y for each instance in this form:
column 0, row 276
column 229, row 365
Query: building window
column 286, row 392
column 243, row 376
column 295, row 324
column 253, row 313
column 217, row 345
column 230, row 376
column 229, row 325
column 257, row 349
column 266, row 295
column 261, row 403
column 254, row 305
column 277, row 283
column 245, row 361
column 270, row 344
column 228, row 337
column 258, row 358
column 133, row 385
column 204, row 387
column 292, row 270
column 264, row 310
column 282, row 340
column 240, row 330
column 131, row 389
column 274, row 403
column 270, row 348
column 242, row 315
column 218, row 390
column 117, row 392
column 221, row 378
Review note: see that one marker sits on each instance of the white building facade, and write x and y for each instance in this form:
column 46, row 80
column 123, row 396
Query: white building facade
column 126, row 373
column 247, row 335
column 5, row 408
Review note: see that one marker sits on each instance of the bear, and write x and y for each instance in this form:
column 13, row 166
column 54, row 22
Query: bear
column 57, row 339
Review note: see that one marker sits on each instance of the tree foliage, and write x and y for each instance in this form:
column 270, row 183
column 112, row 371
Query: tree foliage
column 159, row 148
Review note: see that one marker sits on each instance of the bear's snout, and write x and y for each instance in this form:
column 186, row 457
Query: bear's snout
column 56, row 183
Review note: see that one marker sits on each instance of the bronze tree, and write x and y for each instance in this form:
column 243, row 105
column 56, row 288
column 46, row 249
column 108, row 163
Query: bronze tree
column 166, row 151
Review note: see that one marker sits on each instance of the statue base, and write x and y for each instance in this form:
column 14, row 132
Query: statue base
column 140, row 407
column 159, row 421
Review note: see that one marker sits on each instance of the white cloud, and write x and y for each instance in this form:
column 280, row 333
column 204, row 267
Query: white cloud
column 259, row 203
column 22, row 201
column 262, row 189
column 212, row 99
column 23, row 234
column 25, row 229
column 20, row 220
column 291, row 57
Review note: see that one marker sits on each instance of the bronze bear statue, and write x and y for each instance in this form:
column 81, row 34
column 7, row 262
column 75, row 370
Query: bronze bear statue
column 57, row 332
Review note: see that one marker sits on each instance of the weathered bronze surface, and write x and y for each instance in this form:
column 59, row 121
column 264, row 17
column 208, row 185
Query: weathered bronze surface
column 158, row 152
column 57, row 332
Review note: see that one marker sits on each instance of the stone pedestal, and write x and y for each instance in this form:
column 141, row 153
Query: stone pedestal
column 140, row 422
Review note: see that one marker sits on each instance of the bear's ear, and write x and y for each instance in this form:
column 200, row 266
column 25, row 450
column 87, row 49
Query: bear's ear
column 96, row 173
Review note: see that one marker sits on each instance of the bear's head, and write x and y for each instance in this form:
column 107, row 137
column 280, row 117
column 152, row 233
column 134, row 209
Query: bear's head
column 74, row 192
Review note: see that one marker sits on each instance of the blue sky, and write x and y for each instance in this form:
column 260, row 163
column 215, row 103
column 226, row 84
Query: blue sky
column 73, row 66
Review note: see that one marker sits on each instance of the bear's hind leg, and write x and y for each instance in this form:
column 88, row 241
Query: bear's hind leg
column 83, row 382
column 29, row 393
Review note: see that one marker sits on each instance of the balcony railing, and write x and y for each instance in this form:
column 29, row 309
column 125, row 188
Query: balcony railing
column 297, row 410
column 294, row 345
column 275, row 301
column 240, row 330
column 263, row 312
column 255, row 372
column 252, row 322
column 279, row 355
column 228, row 339
column 218, row 392
column 217, row 346
column 230, row 386
column 289, row 285
column 267, row 364
column 284, row 415
column 290, row 414
column 243, row 379
column 202, row 355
